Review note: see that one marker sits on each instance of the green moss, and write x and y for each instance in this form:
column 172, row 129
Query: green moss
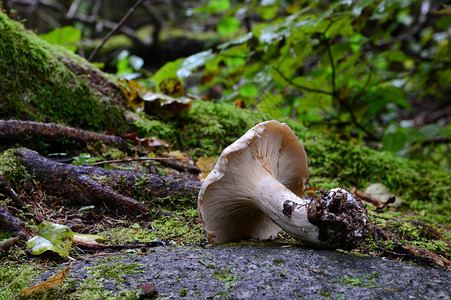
column 412, row 230
column 10, row 166
column 224, row 274
column 364, row 280
column 14, row 277
column 180, row 227
column 115, row 270
column 37, row 83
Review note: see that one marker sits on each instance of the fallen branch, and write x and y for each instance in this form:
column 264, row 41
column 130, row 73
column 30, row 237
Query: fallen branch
column 117, row 247
column 27, row 132
column 78, row 185
column 4, row 246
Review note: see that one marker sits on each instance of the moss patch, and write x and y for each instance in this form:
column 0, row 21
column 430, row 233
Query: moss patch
column 14, row 277
column 40, row 82
column 180, row 227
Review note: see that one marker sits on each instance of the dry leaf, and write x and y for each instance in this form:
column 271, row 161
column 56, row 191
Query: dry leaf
column 130, row 89
column 171, row 86
column 57, row 279
column 170, row 102
column 86, row 239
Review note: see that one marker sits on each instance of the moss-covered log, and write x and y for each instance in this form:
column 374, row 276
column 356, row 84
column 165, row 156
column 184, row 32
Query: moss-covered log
column 43, row 82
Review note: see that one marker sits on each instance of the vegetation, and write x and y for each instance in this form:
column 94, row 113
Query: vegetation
column 350, row 78
column 358, row 69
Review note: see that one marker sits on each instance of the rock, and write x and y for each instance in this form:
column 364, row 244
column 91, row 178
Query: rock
column 270, row 272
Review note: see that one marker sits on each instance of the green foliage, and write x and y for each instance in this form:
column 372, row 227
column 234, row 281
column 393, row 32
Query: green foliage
column 67, row 37
column 128, row 65
column 353, row 67
column 84, row 158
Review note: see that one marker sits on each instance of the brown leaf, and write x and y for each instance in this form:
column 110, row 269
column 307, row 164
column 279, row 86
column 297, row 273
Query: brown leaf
column 171, row 86
column 131, row 90
column 57, row 279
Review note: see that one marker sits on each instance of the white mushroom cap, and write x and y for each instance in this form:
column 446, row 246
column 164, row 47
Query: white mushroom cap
column 227, row 200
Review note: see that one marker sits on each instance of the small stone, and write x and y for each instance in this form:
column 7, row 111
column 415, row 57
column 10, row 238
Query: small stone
column 148, row 290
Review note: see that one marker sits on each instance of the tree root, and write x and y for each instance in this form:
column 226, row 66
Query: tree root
column 15, row 225
column 27, row 132
column 78, row 185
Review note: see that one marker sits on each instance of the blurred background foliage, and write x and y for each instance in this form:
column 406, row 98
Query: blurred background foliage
column 371, row 72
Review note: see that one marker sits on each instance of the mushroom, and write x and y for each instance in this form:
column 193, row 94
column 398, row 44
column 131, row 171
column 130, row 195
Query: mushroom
column 256, row 190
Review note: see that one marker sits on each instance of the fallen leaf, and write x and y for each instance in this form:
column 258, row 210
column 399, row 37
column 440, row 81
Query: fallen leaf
column 87, row 239
column 52, row 237
column 169, row 103
column 148, row 289
column 379, row 192
column 57, row 279
column 130, row 89
column 171, row 86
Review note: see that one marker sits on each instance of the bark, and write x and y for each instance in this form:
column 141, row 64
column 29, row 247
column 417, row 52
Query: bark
column 77, row 183
column 26, row 132
column 15, row 225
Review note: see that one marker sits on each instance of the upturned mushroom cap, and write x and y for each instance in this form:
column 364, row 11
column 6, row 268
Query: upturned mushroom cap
column 226, row 200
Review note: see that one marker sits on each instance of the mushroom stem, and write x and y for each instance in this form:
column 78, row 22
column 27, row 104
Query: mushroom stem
column 286, row 210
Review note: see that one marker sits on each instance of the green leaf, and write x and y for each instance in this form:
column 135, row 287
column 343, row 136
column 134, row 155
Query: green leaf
column 446, row 132
column 228, row 25
column 414, row 135
column 342, row 26
column 248, row 90
column 387, row 93
column 217, row 6
column 66, row 36
column 268, row 12
column 193, row 62
column 430, row 130
column 394, row 141
column 235, row 56
column 444, row 23
column 52, row 237
column 268, row 105
column 394, row 55
column 169, row 70
column 312, row 101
